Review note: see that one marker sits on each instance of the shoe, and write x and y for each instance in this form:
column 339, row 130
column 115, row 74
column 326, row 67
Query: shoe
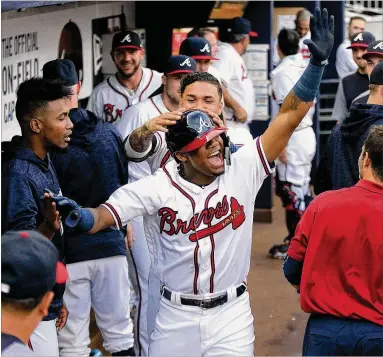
column 279, row 251
column 96, row 353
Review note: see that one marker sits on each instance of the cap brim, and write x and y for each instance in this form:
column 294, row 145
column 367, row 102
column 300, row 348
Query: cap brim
column 368, row 54
column 253, row 34
column 356, row 45
column 179, row 71
column 203, row 139
column 131, row 46
column 199, row 57
column 61, row 273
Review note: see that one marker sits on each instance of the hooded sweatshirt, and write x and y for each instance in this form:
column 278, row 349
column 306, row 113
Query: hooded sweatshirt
column 92, row 167
column 338, row 167
column 23, row 179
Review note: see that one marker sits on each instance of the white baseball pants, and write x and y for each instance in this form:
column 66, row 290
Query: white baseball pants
column 154, row 299
column 44, row 339
column 104, row 285
column 226, row 330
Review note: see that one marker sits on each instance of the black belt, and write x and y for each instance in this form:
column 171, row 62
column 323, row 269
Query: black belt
column 206, row 303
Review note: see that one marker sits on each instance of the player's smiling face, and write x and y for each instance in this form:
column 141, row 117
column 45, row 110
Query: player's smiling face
column 127, row 61
column 201, row 95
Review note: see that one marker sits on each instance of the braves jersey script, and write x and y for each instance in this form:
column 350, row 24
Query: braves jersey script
column 110, row 99
column 234, row 75
column 202, row 235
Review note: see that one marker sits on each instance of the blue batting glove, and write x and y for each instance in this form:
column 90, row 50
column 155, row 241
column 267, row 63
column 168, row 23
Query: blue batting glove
column 322, row 37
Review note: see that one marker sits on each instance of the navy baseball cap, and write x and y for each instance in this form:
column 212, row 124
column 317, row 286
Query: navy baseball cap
column 62, row 69
column 180, row 64
column 126, row 39
column 374, row 48
column 196, row 47
column 30, row 265
column 240, row 26
column 376, row 76
column 361, row 39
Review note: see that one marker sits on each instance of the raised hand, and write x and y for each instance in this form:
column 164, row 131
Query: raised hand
column 63, row 204
column 322, row 37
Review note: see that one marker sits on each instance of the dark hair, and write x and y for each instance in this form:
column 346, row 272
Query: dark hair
column 200, row 32
column 25, row 305
column 34, row 95
column 288, row 41
column 200, row 77
column 357, row 18
column 374, row 146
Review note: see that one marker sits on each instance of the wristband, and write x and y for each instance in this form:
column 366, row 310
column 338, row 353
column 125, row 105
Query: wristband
column 307, row 86
column 82, row 219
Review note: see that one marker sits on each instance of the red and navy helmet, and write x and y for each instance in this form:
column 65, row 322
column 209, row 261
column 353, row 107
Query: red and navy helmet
column 193, row 130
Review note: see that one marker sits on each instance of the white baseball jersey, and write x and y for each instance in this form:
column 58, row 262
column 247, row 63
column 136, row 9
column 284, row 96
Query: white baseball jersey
column 110, row 99
column 214, row 71
column 234, row 75
column 284, row 77
column 203, row 235
column 303, row 50
column 344, row 62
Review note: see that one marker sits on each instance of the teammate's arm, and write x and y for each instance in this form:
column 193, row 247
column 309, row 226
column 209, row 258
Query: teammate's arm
column 301, row 97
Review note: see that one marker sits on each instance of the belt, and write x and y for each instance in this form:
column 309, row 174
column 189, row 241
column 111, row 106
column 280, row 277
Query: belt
column 205, row 303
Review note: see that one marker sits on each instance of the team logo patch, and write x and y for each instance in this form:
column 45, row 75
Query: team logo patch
column 199, row 123
column 359, row 37
column 126, row 38
column 227, row 215
column 186, row 62
column 205, row 49
column 379, row 45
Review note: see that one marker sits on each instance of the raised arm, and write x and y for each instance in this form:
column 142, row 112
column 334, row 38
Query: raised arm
column 301, row 97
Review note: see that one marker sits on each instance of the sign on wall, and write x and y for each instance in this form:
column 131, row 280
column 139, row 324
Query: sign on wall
column 30, row 41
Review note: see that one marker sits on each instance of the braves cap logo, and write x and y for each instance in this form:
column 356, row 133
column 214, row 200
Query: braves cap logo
column 126, row 38
column 359, row 37
column 205, row 49
column 186, row 62
column 379, row 45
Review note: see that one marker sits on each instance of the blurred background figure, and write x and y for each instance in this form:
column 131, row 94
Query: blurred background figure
column 344, row 62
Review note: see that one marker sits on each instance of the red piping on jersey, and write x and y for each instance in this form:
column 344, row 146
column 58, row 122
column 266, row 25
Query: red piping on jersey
column 262, row 157
column 117, row 91
column 165, row 158
column 150, row 80
column 212, row 261
column 139, row 305
column 115, row 214
column 159, row 111
column 196, row 268
column 180, row 189
column 30, row 344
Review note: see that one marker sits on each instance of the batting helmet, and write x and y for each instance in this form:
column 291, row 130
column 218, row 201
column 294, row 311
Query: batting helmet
column 193, row 130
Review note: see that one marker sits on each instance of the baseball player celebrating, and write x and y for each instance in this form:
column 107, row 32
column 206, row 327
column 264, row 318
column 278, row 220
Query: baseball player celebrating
column 134, row 117
column 199, row 211
column 130, row 85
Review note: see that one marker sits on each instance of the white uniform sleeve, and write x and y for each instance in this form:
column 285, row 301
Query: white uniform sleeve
column 281, row 85
column 344, row 62
column 131, row 120
column 160, row 156
column 250, row 164
column 96, row 104
column 135, row 199
column 340, row 111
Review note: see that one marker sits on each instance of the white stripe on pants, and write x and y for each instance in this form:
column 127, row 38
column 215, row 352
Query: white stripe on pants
column 225, row 330
column 104, row 285
column 44, row 339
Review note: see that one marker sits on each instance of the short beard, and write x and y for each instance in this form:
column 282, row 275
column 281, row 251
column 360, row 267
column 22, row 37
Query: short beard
column 127, row 76
column 173, row 99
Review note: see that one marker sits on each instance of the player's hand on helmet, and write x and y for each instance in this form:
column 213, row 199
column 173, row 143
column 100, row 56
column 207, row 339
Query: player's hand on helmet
column 240, row 114
column 51, row 214
column 215, row 117
column 161, row 122
column 322, row 36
